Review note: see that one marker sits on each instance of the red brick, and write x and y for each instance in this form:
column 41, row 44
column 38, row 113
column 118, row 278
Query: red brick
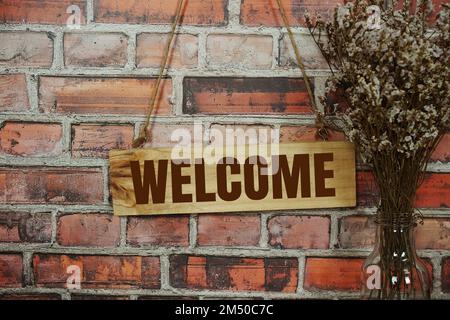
column 245, row 96
column 97, row 297
column 10, row 270
column 51, row 185
column 266, row 12
column 196, row 12
column 102, row 95
column 88, row 230
column 446, row 275
column 158, row 230
column 167, row 298
column 433, row 193
column 311, row 55
column 30, row 139
column 95, row 49
column 26, row 49
column 442, row 152
column 240, row 134
column 359, row 232
column 150, row 48
column 95, row 141
column 13, row 93
column 306, row 133
column 30, row 296
column 342, row 274
column 39, row 11
column 433, row 234
column 299, row 232
column 239, row 51
column 233, row 273
column 160, row 135
column 228, row 230
column 97, row 272
column 25, row 227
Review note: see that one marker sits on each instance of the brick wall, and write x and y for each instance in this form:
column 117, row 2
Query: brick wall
column 69, row 96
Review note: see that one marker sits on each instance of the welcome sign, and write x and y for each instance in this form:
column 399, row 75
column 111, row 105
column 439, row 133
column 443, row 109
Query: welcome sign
column 236, row 179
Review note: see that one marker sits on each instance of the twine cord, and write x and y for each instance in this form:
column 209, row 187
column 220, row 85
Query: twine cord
column 322, row 131
column 143, row 134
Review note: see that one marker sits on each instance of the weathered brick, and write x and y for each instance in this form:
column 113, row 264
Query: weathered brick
column 433, row 193
column 239, row 51
column 26, row 49
column 95, row 49
column 150, row 48
column 302, row 232
column 357, row 232
column 245, row 96
column 39, row 11
column 442, row 152
column 446, row 275
column 97, row 297
column 235, row 274
column 25, row 227
column 30, row 139
column 88, row 230
column 30, row 296
column 311, row 55
column 240, row 134
column 10, row 270
column 169, row 135
column 102, row 95
column 51, row 185
column 95, row 141
column 115, row 272
column 196, row 12
column 306, row 133
column 228, row 230
column 13, row 93
column 342, row 274
column 158, row 230
column 167, row 298
column 266, row 12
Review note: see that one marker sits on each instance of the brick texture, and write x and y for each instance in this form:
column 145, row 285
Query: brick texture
column 442, row 152
column 95, row 141
column 10, row 270
column 39, row 11
column 266, row 12
column 150, row 48
column 198, row 12
column 158, row 231
column 239, row 51
column 13, row 93
column 25, row 227
column 244, row 274
column 333, row 274
column 88, row 230
column 245, row 96
column 359, row 232
column 446, row 275
column 310, row 53
column 51, row 185
column 101, row 95
column 302, row 232
column 26, row 49
column 116, row 272
column 30, row 139
column 95, row 50
column 228, row 230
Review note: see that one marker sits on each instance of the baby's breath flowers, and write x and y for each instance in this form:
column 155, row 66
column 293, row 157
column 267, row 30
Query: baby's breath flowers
column 396, row 82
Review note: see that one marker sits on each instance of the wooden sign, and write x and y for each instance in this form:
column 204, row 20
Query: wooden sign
column 298, row 176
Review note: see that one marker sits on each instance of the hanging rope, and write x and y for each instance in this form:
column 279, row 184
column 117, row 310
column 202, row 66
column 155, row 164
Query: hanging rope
column 322, row 131
column 143, row 134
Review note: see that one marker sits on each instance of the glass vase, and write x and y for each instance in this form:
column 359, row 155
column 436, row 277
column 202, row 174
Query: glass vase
column 393, row 270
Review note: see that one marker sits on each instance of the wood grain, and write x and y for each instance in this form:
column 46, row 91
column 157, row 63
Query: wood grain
column 343, row 181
